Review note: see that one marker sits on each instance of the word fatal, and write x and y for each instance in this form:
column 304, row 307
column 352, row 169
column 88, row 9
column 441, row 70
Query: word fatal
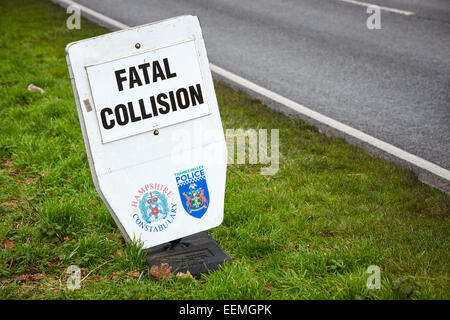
column 148, row 72
column 151, row 106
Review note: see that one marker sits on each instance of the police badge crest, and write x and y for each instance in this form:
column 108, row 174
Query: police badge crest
column 193, row 191
column 154, row 207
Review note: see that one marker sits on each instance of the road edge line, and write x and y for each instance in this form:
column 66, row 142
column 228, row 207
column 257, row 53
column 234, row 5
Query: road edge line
column 399, row 153
column 388, row 9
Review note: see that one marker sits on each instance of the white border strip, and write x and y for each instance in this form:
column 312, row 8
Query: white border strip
column 384, row 146
column 365, row 4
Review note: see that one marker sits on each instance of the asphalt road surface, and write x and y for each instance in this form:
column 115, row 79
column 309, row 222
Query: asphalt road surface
column 392, row 83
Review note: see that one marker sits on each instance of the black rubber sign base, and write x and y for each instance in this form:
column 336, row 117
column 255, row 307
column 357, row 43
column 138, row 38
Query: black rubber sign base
column 198, row 253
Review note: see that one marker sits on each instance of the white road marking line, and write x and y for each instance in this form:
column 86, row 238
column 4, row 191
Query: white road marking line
column 397, row 152
column 93, row 13
column 384, row 146
column 366, row 4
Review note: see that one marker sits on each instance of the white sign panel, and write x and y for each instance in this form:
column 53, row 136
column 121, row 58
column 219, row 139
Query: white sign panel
column 152, row 128
column 148, row 90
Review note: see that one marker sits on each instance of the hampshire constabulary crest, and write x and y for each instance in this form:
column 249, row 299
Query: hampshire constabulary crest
column 193, row 191
column 154, row 207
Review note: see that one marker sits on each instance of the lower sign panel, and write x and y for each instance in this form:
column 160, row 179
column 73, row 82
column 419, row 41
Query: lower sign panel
column 162, row 200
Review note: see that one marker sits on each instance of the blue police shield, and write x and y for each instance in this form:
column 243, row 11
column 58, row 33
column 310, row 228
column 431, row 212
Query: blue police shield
column 193, row 191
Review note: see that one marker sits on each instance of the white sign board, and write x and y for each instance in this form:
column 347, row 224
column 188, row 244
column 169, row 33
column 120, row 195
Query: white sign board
column 152, row 128
column 149, row 93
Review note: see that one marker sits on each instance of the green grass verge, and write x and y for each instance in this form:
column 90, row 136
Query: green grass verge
column 308, row 232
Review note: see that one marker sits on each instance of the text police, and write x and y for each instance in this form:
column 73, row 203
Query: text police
column 152, row 106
